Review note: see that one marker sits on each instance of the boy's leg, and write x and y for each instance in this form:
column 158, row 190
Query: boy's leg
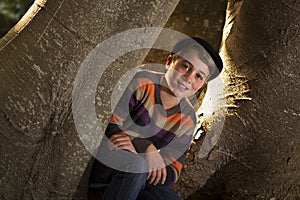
column 158, row 192
column 127, row 173
column 125, row 186
column 95, row 193
column 122, row 185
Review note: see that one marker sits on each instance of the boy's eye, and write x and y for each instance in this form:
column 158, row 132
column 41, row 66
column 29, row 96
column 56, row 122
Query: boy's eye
column 187, row 68
column 198, row 76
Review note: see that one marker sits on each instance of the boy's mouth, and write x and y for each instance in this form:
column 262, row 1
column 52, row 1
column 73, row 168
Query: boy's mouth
column 182, row 86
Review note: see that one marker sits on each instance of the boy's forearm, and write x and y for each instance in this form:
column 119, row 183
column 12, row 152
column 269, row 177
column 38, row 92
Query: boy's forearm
column 141, row 144
column 151, row 148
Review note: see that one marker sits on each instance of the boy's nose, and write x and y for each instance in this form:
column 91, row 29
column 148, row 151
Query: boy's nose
column 188, row 77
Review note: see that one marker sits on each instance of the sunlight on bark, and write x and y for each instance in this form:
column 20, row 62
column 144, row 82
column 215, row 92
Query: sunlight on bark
column 28, row 16
column 236, row 84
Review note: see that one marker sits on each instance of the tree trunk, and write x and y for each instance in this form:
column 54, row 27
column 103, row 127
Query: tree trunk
column 258, row 154
column 42, row 156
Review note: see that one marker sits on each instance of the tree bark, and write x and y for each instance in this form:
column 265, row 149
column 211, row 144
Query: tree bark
column 257, row 156
column 42, row 156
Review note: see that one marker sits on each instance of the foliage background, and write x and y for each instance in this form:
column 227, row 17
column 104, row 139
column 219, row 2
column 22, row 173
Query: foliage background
column 11, row 12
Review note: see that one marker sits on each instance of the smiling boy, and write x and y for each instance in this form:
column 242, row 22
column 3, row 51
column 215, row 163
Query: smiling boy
column 152, row 127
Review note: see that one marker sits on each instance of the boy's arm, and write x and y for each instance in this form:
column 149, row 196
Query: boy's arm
column 121, row 141
column 157, row 172
column 124, row 107
column 116, row 127
column 141, row 144
column 122, row 120
column 175, row 153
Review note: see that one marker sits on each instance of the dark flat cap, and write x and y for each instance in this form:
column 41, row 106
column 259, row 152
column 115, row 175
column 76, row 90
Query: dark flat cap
column 186, row 42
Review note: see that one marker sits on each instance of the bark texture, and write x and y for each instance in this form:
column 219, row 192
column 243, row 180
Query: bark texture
column 42, row 156
column 257, row 156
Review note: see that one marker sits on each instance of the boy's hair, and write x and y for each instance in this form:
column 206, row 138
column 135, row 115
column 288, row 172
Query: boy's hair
column 207, row 54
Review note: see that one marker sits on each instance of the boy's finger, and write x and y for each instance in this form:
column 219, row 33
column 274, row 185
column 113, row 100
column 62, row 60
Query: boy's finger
column 116, row 135
column 111, row 146
column 164, row 175
column 153, row 175
column 114, row 140
column 123, row 146
column 149, row 174
column 121, row 143
column 158, row 176
column 118, row 144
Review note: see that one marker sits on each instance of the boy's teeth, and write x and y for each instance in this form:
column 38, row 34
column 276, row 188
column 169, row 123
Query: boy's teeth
column 183, row 86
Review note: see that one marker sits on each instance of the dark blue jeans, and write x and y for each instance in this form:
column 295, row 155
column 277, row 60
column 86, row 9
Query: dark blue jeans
column 131, row 186
column 158, row 192
column 124, row 184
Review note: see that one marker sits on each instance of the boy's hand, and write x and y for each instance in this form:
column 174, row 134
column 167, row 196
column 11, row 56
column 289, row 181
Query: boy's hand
column 120, row 141
column 157, row 169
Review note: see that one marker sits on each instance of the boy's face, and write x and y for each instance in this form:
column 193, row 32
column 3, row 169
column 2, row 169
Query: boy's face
column 187, row 74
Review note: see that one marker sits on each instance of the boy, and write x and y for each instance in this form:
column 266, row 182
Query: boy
column 152, row 127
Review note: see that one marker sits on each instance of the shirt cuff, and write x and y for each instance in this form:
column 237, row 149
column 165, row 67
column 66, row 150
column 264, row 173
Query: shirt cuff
column 141, row 144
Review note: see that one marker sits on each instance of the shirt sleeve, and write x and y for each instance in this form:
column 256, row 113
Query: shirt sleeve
column 175, row 152
column 124, row 116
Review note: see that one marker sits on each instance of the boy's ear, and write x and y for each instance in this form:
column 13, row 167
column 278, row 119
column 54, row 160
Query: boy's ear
column 169, row 61
column 204, row 84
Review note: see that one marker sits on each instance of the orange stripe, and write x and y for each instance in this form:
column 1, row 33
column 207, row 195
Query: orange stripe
column 147, row 86
column 175, row 118
column 116, row 119
column 184, row 120
column 177, row 165
column 187, row 121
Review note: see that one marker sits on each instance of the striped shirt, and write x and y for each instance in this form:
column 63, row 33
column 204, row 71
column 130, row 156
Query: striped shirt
column 140, row 114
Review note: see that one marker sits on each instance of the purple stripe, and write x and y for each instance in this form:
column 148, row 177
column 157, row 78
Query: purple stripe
column 167, row 136
column 185, row 139
column 164, row 135
column 140, row 114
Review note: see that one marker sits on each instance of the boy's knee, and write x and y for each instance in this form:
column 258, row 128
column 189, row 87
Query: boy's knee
column 136, row 165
